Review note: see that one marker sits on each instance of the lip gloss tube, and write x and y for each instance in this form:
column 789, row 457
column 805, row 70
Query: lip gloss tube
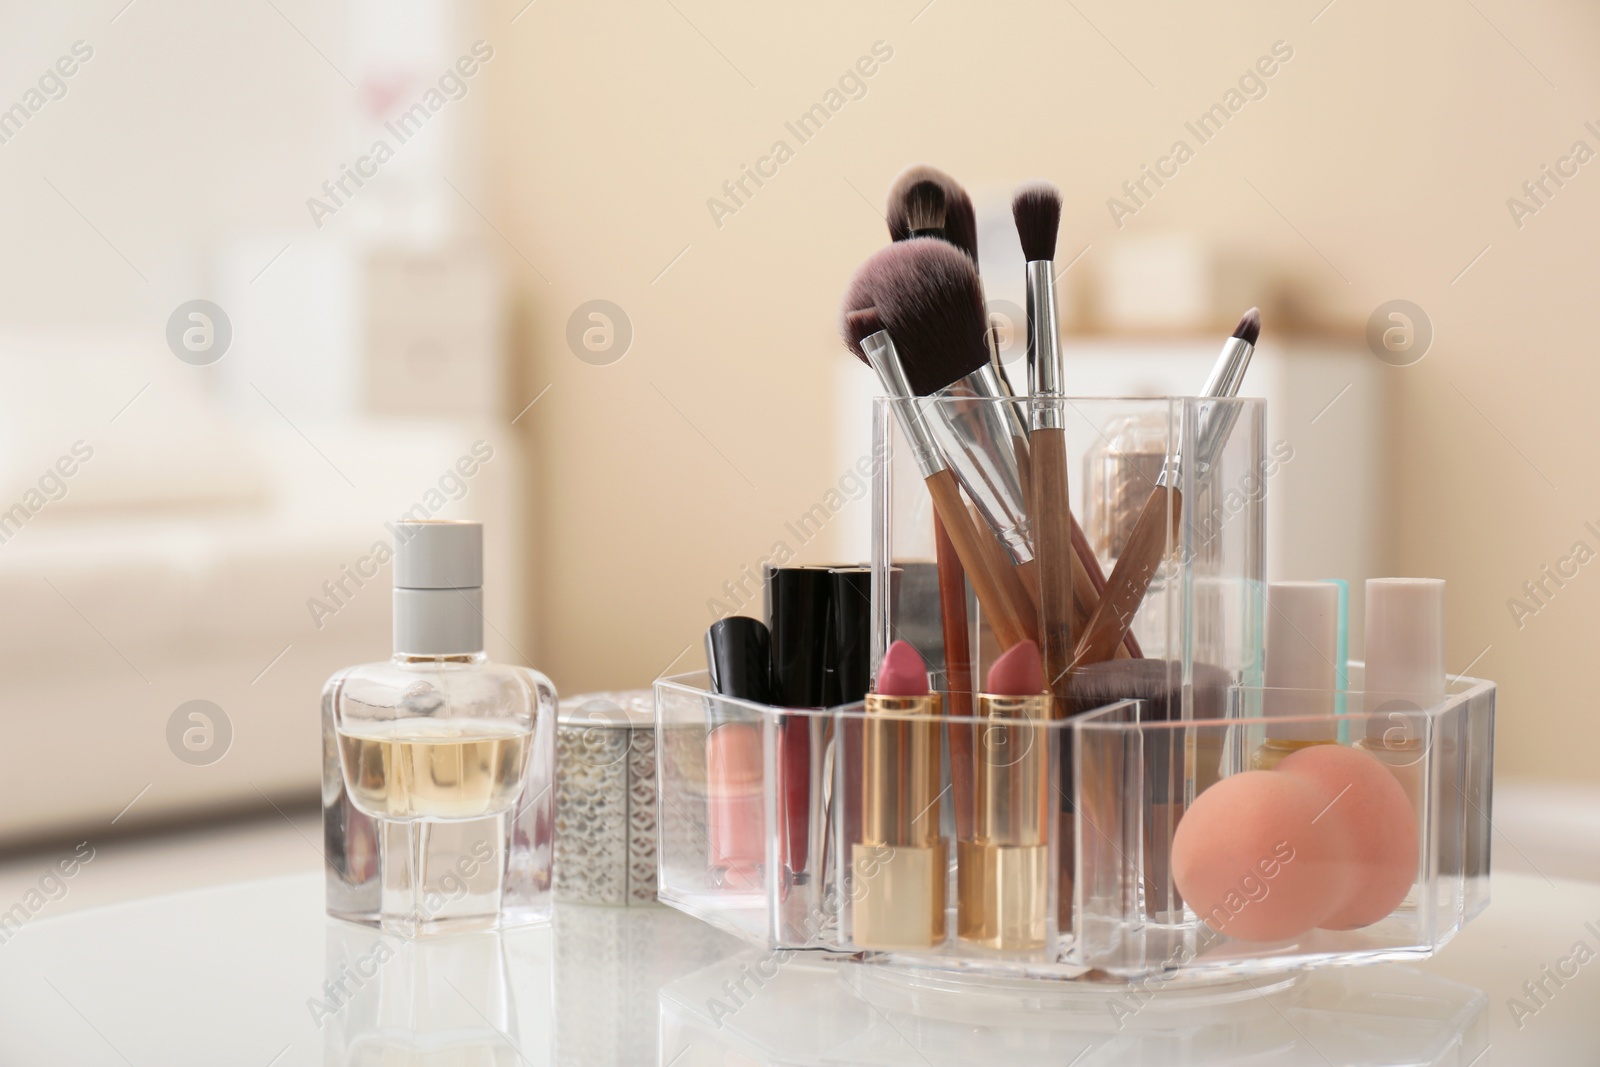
column 1003, row 869
column 900, row 863
column 799, row 605
column 738, row 654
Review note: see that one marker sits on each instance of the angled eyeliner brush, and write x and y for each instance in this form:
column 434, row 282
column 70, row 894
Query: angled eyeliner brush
column 1158, row 522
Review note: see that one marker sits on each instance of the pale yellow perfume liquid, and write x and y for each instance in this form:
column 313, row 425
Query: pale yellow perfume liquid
column 434, row 768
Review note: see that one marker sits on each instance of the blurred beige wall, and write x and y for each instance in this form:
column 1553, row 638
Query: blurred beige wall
column 1378, row 163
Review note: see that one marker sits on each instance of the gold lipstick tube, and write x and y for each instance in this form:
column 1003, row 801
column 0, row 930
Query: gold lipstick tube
column 1003, row 870
column 901, row 862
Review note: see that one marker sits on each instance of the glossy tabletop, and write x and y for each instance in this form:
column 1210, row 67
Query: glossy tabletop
column 254, row 974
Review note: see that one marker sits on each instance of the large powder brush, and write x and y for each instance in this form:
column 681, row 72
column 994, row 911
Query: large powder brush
column 864, row 334
column 927, row 297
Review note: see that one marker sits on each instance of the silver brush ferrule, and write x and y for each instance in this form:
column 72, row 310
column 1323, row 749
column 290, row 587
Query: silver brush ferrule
column 1046, row 369
column 880, row 352
column 1215, row 421
column 969, row 426
column 1014, row 419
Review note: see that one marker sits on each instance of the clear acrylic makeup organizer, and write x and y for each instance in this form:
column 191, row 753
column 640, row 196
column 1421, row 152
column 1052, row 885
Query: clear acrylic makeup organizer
column 1118, row 786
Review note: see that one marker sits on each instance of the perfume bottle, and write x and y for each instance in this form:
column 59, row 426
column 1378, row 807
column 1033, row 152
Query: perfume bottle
column 438, row 811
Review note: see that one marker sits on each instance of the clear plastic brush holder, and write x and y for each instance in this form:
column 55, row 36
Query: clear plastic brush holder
column 1202, row 605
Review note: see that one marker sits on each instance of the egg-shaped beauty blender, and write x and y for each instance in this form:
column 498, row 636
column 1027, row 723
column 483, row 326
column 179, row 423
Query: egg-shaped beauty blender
column 1366, row 803
column 1254, row 861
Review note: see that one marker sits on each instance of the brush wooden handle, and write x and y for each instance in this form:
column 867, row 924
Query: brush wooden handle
column 1125, row 589
column 1022, row 449
column 1050, row 521
column 1084, row 602
column 1088, row 583
column 958, row 672
column 1019, row 581
column 966, row 538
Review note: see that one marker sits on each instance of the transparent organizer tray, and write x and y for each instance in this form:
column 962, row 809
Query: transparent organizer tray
column 771, row 829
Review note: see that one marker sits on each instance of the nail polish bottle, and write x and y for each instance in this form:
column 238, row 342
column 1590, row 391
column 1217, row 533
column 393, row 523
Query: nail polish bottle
column 438, row 811
column 1302, row 671
column 1405, row 673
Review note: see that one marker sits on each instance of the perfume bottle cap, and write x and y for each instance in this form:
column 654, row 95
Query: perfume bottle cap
column 438, row 588
column 438, row 554
column 1405, row 648
column 1302, row 674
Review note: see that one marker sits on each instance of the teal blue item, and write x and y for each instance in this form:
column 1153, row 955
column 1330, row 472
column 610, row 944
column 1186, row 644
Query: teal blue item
column 1343, row 665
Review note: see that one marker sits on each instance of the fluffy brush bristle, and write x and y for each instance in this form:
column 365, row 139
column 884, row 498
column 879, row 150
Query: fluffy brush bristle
column 1249, row 327
column 924, row 211
column 927, row 295
column 959, row 222
column 1036, row 208
column 856, row 326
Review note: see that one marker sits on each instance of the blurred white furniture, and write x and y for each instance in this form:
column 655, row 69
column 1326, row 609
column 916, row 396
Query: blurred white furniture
column 181, row 564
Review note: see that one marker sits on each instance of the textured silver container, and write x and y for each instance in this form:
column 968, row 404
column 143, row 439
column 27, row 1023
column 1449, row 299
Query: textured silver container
column 606, row 799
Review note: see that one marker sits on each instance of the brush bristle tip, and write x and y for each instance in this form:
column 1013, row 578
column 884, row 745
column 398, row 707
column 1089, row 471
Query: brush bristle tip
column 1036, row 209
column 927, row 296
column 959, row 222
column 1249, row 328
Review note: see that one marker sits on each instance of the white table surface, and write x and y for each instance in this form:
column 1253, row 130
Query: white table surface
column 236, row 974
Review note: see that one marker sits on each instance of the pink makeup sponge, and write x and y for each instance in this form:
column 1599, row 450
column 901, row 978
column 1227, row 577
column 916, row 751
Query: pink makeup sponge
column 1253, row 859
column 1365, row 803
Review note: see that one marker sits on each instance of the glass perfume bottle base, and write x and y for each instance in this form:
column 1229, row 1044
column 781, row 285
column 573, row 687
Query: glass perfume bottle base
column 438, row 824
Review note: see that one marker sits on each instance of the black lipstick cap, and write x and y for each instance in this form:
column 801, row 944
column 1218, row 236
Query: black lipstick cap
column 739, row 655
column 799, row 604
column 851, row 634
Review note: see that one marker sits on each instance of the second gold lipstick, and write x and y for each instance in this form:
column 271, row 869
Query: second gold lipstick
column 1004, row 869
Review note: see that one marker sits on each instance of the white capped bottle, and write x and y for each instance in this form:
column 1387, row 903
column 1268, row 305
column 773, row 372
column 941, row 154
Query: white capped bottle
column 438, row 811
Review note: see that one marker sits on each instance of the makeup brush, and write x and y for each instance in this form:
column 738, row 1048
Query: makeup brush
column 1036, row 209
column 865, row 335
column 912, row 197
column 1158, row 522
column 926, row 202
column 917, row 208
column 930, row 300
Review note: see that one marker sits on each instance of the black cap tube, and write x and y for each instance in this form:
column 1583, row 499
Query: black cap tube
column 851, row 634
column 799, row 603
column 739, row 656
